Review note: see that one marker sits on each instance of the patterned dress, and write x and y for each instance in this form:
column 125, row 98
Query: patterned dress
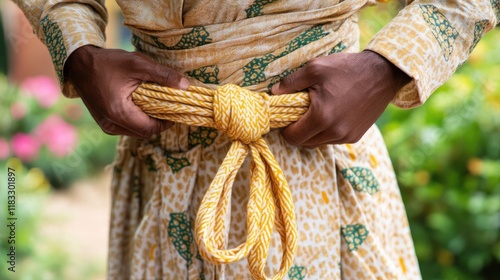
column 351, row 219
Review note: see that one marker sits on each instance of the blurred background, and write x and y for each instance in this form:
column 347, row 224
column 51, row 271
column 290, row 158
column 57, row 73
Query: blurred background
column 446, row 155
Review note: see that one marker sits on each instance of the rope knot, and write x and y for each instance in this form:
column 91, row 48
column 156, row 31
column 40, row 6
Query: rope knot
column 244, row 116
column 240, row 113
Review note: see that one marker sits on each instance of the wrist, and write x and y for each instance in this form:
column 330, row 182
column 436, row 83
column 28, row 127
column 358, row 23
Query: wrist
column 397, row 77
column 79, row 62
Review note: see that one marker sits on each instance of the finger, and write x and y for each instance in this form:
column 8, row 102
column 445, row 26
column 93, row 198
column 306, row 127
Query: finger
column 106, row 124
column 150, row 71
column 295, row 82
column 327, row 137
column 308, row 126
column 317, row 141
column 322, row 138
column 310, row 147
column 302, row 130
column 142, row 124
column 111, row 128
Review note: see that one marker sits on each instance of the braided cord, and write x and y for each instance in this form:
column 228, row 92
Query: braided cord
column 244, row 116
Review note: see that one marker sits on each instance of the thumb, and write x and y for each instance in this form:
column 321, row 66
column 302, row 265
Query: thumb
column 295, row 82
column 150, row 71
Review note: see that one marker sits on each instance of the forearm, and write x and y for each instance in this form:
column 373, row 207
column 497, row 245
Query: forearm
column 428, row 40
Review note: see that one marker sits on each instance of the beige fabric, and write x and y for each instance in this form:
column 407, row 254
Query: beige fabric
column 350, row 217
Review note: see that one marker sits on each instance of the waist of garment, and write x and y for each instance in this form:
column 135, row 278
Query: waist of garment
column 254, row 52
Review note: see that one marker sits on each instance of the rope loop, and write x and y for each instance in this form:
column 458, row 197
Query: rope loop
column 244, row 116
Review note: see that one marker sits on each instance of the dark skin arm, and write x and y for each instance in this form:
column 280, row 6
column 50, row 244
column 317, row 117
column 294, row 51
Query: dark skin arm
column 105, row 80
column 348, row 91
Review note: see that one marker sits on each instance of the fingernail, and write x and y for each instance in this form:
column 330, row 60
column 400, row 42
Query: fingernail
column 184, row 83
column 167, row 125
column 274, row 88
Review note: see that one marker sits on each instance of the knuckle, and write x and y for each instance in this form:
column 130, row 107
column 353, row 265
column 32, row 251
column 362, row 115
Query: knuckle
column 352, row 139
column 340, row 132
column 108, row 132
column 165, row 126
column 310, row 147
column 167, row 74
column 117, row 111
column 138, row 57
column 315, row 67
column 148, row 133
column 321, row 119
column 107, row 127
column 290, row 138
column 169, row 124
column 135, row 59
column 139, row 62
column 289, row 82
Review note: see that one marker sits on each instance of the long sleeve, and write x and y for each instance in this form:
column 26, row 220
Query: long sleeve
column 65, row 25
column 429, row 40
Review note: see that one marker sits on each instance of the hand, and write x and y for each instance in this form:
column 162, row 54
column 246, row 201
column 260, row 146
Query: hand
column 348, row 92
column 105, row 80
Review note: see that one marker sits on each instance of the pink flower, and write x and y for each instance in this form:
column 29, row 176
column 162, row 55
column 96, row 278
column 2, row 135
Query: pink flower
column 59, row 136
column 18, row 110
column 25, row 147
column 4, row 149
column 44, row 89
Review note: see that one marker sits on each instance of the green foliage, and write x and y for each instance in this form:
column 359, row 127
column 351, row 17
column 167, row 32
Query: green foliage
column 446, row 154
column 38, row 256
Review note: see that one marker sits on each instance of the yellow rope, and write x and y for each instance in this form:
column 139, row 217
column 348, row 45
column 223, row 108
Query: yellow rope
column 244, row 116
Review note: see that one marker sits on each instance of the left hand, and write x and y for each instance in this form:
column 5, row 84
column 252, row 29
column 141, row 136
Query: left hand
column 348, row 92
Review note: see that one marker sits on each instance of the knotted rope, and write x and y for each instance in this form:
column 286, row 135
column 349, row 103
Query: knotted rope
column 244, row 116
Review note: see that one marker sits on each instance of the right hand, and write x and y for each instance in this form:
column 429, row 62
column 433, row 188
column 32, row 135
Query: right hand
column 105, row 80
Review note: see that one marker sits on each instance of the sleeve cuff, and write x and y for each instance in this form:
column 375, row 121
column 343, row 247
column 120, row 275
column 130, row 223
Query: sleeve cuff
column 65, row 29
column 428, row 47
